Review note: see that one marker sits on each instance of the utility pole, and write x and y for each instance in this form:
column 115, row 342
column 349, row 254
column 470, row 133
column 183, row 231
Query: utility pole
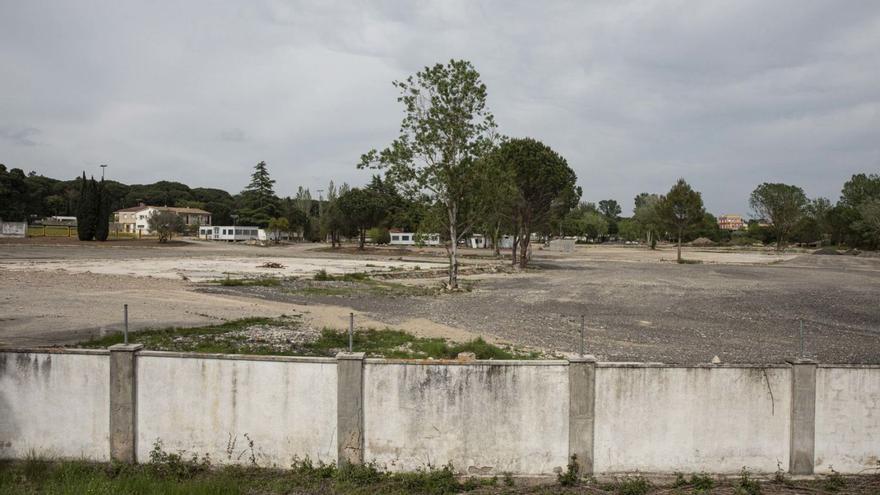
column 103, row 167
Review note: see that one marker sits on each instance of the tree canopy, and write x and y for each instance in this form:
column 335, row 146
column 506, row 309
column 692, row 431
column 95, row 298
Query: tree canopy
column 680, row 209
column 446, row 128
column 781, row 205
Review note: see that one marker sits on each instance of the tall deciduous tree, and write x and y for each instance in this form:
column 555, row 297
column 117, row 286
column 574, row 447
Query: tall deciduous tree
column 446, row 128
column 781, row 205
column 646, row 217
column 611, row 210
column 680, row 210
column 545, row 185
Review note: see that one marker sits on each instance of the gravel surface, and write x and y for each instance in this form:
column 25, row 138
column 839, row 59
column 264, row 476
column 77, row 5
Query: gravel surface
column 743, row 306
column 651, row 311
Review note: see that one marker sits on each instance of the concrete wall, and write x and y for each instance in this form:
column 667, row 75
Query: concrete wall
column 287, row 406
column 847, row 418
column 714, row 419
column 485, row 418
column 54, row 405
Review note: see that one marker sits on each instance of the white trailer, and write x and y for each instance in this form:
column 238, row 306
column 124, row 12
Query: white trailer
column 229, row 233
column 411, row 239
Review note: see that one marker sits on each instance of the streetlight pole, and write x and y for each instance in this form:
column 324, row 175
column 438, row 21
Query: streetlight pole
column 103, row 167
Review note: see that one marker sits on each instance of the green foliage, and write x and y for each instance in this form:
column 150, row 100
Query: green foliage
column 87, row 209
column 746, row 485
column 702, row 482
column 611, row 210
column 250, row 282
column 545, row 184
column 176, row 465
column 445, row 130
column 781, row 205
column 259, row 205
column 103, row 212
column 585, row 221
column 680, row 209
column 277, row 226
column 362, row 208
column 833, row 482
column 165, row 224
column 632, row 485
column 571, row 476
column 379, row 235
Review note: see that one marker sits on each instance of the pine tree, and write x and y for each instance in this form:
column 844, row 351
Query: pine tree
column 258, row 201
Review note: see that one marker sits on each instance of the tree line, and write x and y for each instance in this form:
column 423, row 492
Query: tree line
column 451, row 172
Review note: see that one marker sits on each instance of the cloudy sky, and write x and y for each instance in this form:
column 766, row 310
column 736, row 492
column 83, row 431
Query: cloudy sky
column 634, row 94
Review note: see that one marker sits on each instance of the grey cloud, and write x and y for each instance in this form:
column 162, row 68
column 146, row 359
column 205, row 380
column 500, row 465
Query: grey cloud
column 633, row 93
column 21, row 136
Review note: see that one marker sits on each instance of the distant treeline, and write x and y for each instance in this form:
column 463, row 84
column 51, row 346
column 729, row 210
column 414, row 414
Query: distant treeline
column 31, row 196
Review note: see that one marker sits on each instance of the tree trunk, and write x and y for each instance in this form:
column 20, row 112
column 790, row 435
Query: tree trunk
column 453, row 248
column 363, row 239
column 679, row 245
column 526, row 240
column 496, row 235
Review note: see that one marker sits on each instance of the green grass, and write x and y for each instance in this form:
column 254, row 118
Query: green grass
column 395, row 344
column 250, row 282
column 362, row 286
column 174, row 474
column 226, row 338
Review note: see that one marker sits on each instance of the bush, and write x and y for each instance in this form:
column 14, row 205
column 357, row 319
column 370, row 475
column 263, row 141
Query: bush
column 571, row 476
column 746, row 485
column 636, row 485
column 379, row 235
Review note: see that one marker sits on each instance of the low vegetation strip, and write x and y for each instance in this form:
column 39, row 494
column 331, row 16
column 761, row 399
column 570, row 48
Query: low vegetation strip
column 169, row 473
column 287, row 336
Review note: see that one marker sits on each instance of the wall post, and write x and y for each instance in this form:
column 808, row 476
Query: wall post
column 582, row 410
column 123, row 402
column 350, row 407
column 802, row 442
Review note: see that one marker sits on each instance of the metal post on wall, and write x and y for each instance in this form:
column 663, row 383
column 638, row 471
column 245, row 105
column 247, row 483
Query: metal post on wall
column 583, row 327
column 125, row 330
column 350, row 331
column 803, row 347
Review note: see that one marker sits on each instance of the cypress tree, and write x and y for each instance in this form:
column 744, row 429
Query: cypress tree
column 85, row 225
column 87, row 213
column 102, row 220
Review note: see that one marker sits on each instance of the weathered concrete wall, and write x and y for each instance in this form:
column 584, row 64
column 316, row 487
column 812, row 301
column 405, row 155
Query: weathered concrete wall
column 484, row 418
column 54, row 405
column 286, row 406
column 714, row 419
column 847, row 418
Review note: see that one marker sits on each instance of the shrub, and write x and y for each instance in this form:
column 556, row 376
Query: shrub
column 571, row 476
column 834, row 481
column 635, row 485
column 323, row 276
column 746, row 485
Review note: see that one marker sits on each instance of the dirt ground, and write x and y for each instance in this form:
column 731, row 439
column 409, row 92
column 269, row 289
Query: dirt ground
column 743, row 306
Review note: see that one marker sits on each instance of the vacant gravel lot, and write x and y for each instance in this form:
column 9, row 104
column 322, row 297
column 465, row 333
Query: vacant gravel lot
column 743, row 307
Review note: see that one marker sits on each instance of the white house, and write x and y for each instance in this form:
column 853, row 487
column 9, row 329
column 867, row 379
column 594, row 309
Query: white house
column 135, row 219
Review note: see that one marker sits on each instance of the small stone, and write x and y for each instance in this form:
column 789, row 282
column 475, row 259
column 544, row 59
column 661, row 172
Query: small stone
column 716, row 360
column 467, row 356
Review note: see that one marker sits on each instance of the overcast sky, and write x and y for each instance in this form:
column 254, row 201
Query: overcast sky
column 634, row 94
